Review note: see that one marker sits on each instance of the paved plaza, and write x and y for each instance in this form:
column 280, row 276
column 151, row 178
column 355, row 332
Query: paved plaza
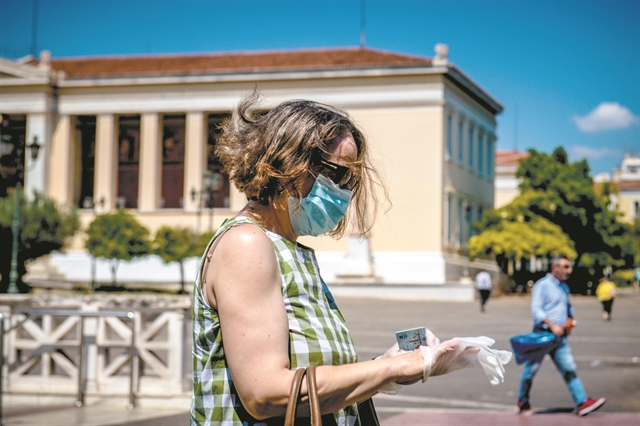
column 606, row 354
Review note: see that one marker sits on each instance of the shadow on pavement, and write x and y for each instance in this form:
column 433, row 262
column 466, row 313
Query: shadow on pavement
column 556, row 410
column 21, row 411
column 173, row 420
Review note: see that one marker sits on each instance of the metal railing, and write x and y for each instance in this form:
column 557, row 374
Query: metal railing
column 81, row 347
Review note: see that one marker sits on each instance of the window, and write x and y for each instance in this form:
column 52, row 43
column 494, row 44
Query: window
column 460, row 222
column 86, row 141
column 490, row 157
column 449, row 136
column 13, row 132
column 221, row 197
column 173, row 127
column 469, row 216
column 128, row 161
column 481, row 153
column 461, row 141
column 449, row 218
column 471, row 130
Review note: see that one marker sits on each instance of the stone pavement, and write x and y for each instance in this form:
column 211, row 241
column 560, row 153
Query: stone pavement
column 435, row 417
column 606, row 355
column 110, row 416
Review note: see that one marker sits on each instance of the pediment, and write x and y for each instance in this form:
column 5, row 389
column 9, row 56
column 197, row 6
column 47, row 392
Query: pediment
column 14, row 71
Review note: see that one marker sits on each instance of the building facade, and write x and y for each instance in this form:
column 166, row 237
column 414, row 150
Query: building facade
column 506, row 182
column 138, row 133
column 626, row 178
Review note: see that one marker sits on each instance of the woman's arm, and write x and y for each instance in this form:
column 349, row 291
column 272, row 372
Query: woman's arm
column 246, row 290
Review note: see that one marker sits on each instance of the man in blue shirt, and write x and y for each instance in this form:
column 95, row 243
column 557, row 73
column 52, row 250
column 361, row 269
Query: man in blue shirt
column 552, row 312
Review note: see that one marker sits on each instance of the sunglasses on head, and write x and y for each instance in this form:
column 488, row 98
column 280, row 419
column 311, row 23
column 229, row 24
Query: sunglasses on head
column 340, row 175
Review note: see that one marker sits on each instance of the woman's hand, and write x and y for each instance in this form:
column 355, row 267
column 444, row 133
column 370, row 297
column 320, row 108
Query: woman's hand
column 432, row 340
column 395, row 351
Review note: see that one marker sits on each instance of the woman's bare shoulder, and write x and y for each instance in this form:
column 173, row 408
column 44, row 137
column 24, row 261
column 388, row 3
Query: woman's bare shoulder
column 247, row 238
column 245, row 254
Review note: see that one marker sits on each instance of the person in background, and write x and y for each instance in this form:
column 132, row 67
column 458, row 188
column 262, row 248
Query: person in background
column 552, row 312
column 483, row 285
column 606, row 293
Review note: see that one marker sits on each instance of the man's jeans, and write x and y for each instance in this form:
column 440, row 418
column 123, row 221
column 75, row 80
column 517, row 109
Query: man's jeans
column 563, row 359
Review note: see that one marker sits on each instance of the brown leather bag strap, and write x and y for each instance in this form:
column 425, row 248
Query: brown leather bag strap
column 314, row 404
column 292, row 405
column 314, row 401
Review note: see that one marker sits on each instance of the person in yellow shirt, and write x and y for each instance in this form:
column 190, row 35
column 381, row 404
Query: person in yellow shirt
column 606, row 293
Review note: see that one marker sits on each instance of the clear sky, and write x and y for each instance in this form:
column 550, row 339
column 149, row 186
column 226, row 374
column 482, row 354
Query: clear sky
column 567, row 72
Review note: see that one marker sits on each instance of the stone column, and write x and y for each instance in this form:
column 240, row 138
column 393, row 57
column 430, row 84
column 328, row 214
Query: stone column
column 61, row 162
column 106, row 167
column 195, row 160
column 237, row 200
column 150, row 188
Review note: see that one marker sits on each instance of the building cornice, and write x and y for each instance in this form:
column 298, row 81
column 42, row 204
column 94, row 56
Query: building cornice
column 450, row 73
column 251, row 76
column 464, row 83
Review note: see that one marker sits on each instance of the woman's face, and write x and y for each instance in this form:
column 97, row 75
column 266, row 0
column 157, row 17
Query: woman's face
column 342, row 150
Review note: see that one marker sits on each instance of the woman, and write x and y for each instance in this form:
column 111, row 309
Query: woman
column 260, row 307
column 606, row 293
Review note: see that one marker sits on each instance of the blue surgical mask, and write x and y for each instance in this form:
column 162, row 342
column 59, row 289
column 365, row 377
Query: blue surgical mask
column 321, row 210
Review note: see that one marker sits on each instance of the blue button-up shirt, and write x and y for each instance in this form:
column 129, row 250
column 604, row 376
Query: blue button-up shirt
column 550, row 300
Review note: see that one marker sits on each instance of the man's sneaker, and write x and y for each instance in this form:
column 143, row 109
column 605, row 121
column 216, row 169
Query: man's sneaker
column 524, row 409
column 589, row 405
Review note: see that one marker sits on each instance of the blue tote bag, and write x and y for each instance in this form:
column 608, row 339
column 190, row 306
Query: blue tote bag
column 534, row 345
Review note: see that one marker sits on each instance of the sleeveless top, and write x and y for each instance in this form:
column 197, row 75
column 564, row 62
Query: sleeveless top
column 318, row 335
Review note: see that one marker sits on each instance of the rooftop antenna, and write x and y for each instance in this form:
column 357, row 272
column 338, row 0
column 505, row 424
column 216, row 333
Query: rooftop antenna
column 34, row 29
column 363, row 22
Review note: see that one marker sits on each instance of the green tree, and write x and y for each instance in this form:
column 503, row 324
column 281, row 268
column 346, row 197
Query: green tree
column 516, row 237
column 176, row 245
column 117, row 236
column 43, row 229
column 562, row 193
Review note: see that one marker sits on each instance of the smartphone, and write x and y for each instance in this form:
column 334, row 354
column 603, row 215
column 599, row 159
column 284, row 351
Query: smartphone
column 412, row 338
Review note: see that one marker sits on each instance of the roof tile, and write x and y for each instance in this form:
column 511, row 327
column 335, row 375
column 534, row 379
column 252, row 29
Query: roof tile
column 510, row 157
column 223, row 63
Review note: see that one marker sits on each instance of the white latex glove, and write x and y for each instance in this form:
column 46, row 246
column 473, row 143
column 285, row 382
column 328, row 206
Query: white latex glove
column 394, row 388
column 491, row 360
column 447, row 357
column 432, row 340
column 463, row 352
column 391, row 388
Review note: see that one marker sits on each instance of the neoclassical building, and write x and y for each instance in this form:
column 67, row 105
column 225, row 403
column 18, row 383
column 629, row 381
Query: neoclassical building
column 137, row 132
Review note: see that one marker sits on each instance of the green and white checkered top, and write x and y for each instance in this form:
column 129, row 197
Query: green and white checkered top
column 318, row 335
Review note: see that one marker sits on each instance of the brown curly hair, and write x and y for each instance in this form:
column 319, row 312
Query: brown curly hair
column 266, row 152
